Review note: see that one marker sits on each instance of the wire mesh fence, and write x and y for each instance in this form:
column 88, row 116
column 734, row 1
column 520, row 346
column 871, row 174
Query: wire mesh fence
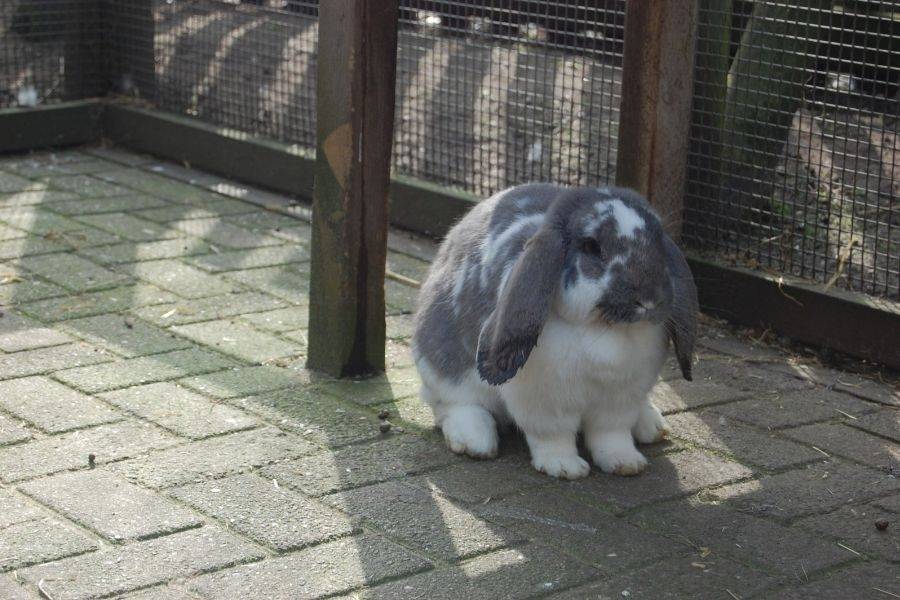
column 794, row 163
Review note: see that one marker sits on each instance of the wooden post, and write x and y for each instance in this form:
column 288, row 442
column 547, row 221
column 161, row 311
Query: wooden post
column 655, row 116
column 355, row 116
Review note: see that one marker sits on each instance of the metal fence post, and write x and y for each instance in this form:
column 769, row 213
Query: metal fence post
column 355, row 116
column 655, row 115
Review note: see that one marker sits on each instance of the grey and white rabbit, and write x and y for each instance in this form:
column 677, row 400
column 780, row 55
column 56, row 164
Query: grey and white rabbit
column 553, row 308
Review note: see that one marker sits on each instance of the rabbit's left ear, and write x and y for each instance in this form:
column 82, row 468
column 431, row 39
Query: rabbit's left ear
column 512, row 329
column 682, row 324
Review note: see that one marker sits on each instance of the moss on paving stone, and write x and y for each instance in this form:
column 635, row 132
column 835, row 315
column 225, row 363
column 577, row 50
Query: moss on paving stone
column 97, row 303
column 181, row 312
column 243, row 381
column 241, row 341
column 124, row 335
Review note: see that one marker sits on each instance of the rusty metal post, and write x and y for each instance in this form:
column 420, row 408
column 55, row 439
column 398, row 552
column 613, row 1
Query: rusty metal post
column 355, row 116
column 655, row 116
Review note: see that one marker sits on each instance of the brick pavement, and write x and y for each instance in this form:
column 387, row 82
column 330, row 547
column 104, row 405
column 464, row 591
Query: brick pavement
column 160, row 438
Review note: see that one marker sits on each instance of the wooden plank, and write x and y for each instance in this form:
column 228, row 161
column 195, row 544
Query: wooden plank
column 355, row 116
column 52, row 126
column 655, row 113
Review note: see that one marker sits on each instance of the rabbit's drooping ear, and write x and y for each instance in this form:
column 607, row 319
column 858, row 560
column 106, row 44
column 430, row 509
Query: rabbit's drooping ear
column 512, row 330
column 682, row 324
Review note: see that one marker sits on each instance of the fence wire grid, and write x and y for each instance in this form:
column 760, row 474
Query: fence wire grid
column 794, row 160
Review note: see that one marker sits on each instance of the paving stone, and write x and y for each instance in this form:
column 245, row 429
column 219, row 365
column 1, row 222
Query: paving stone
column 717, row 530
column 146, row 369
column 871, row 580
column 14, row 183
column 73, row 272
column 849, row 443
column 394, row 385
column 21, row 333
column 117, row 155
column 242, row 381
column 206, row 309
column 407, row 266
column 328, row 569
column 316, row 417
column 182, row 279
column 17, row 292
column 34, row 197
column 88, row 186
column 854, row 527
column 288, row 282
column 130, row 252
column 668, row 476
column 180, row 410
column 128, row 227
column 715, row 431
column 587, row 533
column 271, row 222
column 356, row 466
column 38, row 541
column 278, row 518
column 678, row 578
column 280, row 320
column 400, row 297
column 93, row 206
column 224, row 234
column 411, row 412
column 891, row 504
column 211, row 208
column 109, row 505
column 885, row 423
column 814, row 489
column 481, row 482
column 124, row 335
column 162, row 592
column 45, row 360
column 676, row 396
column 14, row 509
column 523, row 572
column 424, row 520
column 778, row 411
column 10, row 590
column 413, row 245
column 748, row 378
column 399, row 327
column 11, row 433
column 250, row 259
column 239, row 340
column 52, row 407
column 70, row 450
column 11, row 233
column 162, row 187
column 97, row 303
column 56, row 228
column 141, row 564
column 214, row 457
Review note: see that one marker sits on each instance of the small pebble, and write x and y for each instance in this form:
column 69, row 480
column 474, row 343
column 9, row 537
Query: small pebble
column 92, row 460
column 882, row 524
column 384, row 426
column 128, row 323
column 384, row 414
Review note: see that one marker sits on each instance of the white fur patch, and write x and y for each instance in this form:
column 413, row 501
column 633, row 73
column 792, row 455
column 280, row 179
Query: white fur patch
column 458, row 284
column 490, row 250
column 627, row 219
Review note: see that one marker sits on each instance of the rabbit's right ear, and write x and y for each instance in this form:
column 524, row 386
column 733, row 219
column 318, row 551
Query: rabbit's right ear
column 512, row 329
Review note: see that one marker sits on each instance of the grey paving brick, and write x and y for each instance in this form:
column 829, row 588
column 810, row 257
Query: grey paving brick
column 141, row 564
column 21, row 333
column 399, row 327
column 146, row 369
column 777, row 411
column 243, row 381
column 481, row 482
column 11, row 233
column 30, row 289
column 394, row 385
column 129, row 252
column 668, row 476
column 885, row 423
column 407, row 266
column 678, row 578
column 35, row 197
column 124, row 335
column 716, row 530
column 234, row 338
column 590, row 534
column 814, row 489
column 14, row 508
column 91, row 206
column 117, row 156
column 854, row 527
column 52, row 407
column 87, row 186
column 38, row 221
column 97, row 303
column 181, row 279
column 128, row 227
column 73, row 272
column 11, row 590
column 424, row 520
column 267, row 256
column 224, row 234
column 891, row 504
column 355, row 466
column 287, row 282
column 30, row 246
column 14, row 183
column 675, row 396
column 206, row 309
column 161, row 592
column 162, row 187
column 271, row 515
column 850, row 443
column 210, row 208
column 11, row 433
column 871, row 580
column 109, row 505
column 331, row 568
column 180, row 410
column 44, row 360
column 715, row 431
column 411, row 412
column 38, row 541
column 523, row 572
column 400, row 297
column 316, row 417
column 70, row 450
column 213, row 457
column 280, row 320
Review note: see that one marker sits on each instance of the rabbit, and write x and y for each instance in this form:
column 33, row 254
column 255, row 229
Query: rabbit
column 551, row 308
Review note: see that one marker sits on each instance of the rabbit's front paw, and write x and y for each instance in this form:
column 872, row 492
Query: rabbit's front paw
column 565, row 466
column 615, row 453
column 651, row 426
column 471, row 430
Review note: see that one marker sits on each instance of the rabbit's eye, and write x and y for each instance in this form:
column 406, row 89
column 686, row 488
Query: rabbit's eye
column 590, row 246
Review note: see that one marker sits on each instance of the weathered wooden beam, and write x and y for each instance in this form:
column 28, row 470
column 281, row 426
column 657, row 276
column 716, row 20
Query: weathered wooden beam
column 355, row 116
column 655, row 114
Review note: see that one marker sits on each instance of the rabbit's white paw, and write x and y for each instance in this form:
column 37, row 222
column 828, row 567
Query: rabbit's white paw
column 557, row 456
column 651, row 426
column 471, row 430
column 615, row 453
